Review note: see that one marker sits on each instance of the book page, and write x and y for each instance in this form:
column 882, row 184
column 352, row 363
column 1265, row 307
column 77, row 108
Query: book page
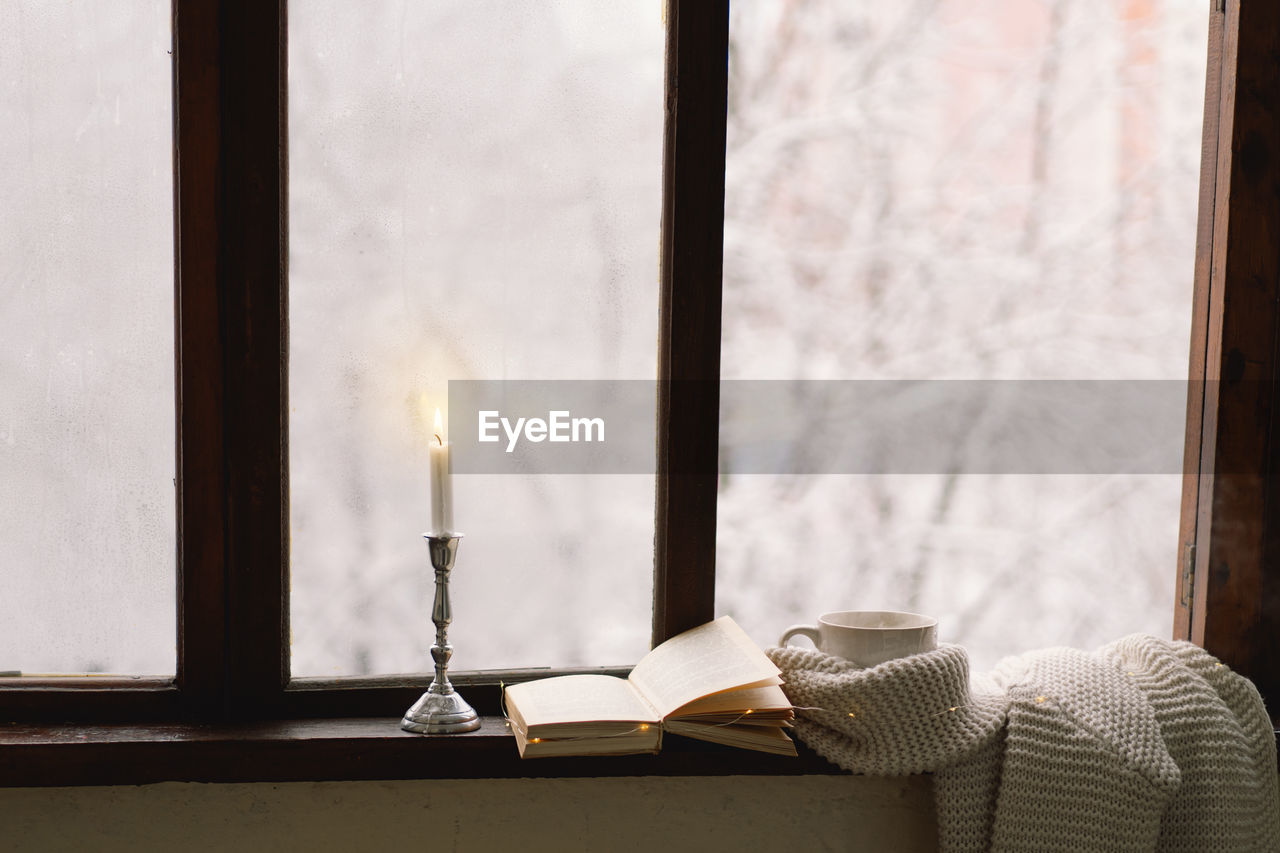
column 578, row 699
column 768, row 739
column 755, row 699
column 708, row 659
column 629, row 743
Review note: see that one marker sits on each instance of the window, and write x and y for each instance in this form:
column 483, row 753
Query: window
column 458, row 212
column 951, row 226
column 86, row 359
column 233, row 546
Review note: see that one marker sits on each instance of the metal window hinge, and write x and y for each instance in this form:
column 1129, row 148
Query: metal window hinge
column 1188, row 573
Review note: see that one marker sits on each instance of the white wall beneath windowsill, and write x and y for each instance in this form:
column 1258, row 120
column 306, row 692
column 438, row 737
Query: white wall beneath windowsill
column 656, row 815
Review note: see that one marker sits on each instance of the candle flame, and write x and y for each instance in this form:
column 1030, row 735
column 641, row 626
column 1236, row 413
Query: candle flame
column 439, row 426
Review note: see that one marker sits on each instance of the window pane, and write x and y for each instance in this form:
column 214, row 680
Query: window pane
column 993, row 190
column 87, row 533
column 474, row 194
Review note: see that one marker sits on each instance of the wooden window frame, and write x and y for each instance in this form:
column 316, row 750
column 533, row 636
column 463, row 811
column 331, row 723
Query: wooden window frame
column 231, row 251
column 1228, row 577
column 231, row 317
column 232, row 713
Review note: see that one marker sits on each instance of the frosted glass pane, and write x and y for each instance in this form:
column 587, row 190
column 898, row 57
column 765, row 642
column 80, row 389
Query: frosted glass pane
column 977, row 190
column 475, row 193
column 87, row 533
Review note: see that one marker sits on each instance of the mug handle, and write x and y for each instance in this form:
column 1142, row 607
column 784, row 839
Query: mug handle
column 810, row 631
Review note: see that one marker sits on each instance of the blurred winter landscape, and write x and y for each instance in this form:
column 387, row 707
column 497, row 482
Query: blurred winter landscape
column 938, row 189
column 945, row 189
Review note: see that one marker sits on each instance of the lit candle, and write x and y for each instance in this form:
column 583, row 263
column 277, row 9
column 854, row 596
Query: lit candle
column 441, row 482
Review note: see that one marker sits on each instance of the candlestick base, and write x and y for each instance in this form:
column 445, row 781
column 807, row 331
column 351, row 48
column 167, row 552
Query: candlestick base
column 440, row 714
column 441, row 711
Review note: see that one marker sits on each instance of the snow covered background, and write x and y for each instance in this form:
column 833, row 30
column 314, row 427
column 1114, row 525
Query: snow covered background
column 978, row 189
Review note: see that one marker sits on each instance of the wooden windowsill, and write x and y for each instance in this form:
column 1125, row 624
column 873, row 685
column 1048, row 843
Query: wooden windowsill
column 36, row 755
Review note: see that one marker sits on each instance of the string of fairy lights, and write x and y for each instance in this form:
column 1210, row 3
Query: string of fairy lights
column 644, row 727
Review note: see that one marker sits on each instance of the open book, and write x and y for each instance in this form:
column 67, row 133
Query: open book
column 710, row 682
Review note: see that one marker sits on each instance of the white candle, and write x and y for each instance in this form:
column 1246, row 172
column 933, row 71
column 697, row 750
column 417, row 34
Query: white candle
column 441, row 482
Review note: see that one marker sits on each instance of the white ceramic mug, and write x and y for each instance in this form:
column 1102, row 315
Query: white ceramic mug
column 869, row 637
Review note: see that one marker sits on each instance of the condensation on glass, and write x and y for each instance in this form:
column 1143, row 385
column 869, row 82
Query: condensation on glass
column 475, row 193
column 991, row 190
column 87, row 507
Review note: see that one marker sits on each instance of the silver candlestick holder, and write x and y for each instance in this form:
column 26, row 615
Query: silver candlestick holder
column 441, row 710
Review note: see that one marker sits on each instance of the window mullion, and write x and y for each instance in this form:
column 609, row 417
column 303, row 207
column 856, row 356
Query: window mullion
column 199, row 357
column 252, row 256
column 229, row 82
column 689, row 319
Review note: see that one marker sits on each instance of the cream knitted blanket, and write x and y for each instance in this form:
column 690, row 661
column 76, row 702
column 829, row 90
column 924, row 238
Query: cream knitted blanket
column 1142, row 745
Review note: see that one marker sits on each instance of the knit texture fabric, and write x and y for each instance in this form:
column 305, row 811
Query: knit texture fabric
column 1143, row 745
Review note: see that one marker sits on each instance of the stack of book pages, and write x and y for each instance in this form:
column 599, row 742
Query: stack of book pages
column 712, row 683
